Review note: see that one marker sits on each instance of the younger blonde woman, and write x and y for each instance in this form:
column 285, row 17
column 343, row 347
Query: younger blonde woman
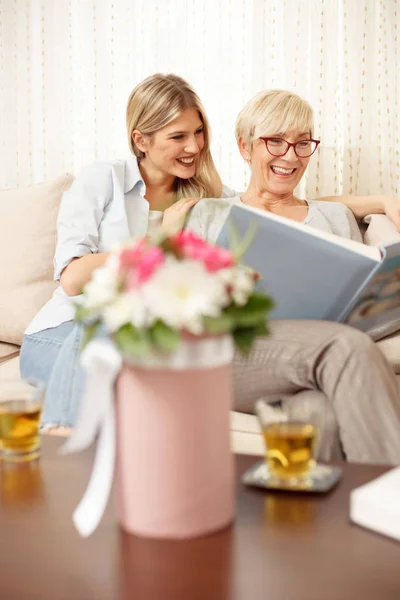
column 111, row 201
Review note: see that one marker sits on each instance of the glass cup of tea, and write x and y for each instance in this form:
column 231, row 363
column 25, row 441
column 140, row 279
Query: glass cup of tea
column 289, row 444
column 21, row 404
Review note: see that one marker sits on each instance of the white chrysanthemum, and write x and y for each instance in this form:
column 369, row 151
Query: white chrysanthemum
column 227, row 275
column 182, row 292
column 101, row 289
column 243, row 286
column 127, row 308
column 241, row 282
column 112, row 263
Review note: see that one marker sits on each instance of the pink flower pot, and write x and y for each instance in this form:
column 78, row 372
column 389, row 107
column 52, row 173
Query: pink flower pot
column 174, row 464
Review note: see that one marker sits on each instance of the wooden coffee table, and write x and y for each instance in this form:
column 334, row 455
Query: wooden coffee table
column 282, row 546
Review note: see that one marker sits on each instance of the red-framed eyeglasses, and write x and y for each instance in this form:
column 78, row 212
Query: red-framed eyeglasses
column 280, row 147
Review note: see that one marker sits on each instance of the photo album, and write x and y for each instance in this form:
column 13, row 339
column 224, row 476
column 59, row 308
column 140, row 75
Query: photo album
column 311, row 274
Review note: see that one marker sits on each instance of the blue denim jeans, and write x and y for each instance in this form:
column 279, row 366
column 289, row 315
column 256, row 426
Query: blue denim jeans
column 52, row 356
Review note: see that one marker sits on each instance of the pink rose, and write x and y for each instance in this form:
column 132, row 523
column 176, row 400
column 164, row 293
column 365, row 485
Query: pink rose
column 192, row 246
column 187, row 240
column 131, row 257
column 144, row 269
column 217, row 258
column 149, row 263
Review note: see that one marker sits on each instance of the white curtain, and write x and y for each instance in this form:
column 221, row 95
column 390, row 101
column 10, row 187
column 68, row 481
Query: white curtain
column 67, row 67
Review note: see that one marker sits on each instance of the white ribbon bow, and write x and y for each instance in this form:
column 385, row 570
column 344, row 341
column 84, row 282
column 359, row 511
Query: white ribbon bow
column 102, row 363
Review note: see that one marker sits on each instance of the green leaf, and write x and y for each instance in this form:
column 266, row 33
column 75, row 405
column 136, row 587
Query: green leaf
column 261, row 329
column 252, row 313
column 132, row 341
column 243, row 319
column 165, row 338
column 233, row 236
column 247, row 240
column 80, row 314
column 244, row 338
column 89, row 332
column 222, row 324
column 259, row 302
column 240, row 246
column 87, row 315
column 168, row 246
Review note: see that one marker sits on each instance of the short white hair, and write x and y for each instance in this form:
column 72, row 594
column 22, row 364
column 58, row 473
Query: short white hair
column 273, row 112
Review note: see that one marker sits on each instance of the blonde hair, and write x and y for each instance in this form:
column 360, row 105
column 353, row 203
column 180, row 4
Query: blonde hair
column 153, row 104
column 271, row 112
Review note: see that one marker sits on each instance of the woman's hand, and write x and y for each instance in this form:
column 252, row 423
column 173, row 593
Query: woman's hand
column 79, row 271
column 174, row 217
column 391, row 206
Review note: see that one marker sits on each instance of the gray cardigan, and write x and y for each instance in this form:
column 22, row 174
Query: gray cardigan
column 209, row 215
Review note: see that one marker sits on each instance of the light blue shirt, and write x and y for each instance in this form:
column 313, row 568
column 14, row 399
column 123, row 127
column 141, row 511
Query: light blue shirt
column 104, row 206
column 95, row 212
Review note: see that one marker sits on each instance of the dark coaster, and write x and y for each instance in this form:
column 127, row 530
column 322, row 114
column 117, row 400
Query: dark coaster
column 321, row 479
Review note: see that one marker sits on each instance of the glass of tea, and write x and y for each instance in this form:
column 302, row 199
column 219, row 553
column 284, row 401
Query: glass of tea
column 290, row 446
column 21, row 404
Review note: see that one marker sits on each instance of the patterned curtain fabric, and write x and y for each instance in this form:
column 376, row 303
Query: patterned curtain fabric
column 68, row 66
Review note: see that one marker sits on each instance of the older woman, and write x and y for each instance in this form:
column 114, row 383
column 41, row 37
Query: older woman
column 314, row 365
column 274, row 132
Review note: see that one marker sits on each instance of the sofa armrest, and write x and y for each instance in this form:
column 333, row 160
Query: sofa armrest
column 244, row 422
column 390, row 346
column 380, row 230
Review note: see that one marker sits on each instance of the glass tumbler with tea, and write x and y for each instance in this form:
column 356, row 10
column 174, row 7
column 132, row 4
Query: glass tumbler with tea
column 290, row 445
column 21, row 404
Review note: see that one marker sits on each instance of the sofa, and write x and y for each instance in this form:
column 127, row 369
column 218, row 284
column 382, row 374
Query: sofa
column 27, row 243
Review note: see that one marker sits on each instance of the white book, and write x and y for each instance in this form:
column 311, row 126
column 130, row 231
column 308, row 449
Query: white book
column 376, row 505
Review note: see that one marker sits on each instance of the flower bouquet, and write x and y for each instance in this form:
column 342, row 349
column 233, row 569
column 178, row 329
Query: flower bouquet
column 168, row 312
column 150, row 292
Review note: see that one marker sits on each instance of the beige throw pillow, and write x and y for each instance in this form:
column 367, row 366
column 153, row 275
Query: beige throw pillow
column 28, row 218
column 8, row 351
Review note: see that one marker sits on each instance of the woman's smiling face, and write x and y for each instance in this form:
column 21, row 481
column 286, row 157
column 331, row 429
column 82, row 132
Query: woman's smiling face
column 175, row 149
column 277, row 175
column 275, row 118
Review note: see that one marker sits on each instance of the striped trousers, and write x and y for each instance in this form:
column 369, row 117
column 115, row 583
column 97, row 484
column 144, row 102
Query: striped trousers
column 334, row 370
